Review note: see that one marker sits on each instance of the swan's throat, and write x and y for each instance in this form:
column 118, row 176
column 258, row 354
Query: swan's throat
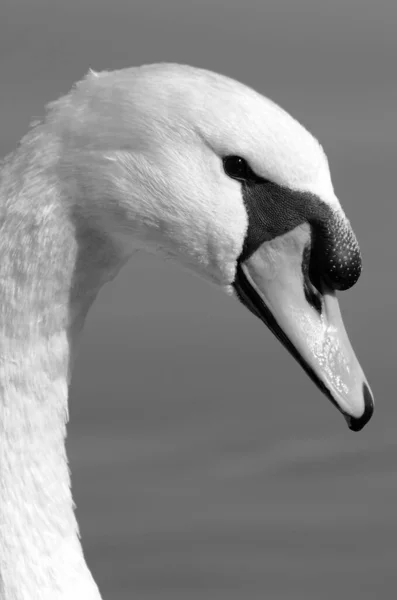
column 51, row 267
column 41, row 556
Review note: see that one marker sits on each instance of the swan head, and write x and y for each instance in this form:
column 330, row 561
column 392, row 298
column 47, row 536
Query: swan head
column 205, row 170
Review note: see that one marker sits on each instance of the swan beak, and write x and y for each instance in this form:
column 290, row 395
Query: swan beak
column 273, row 285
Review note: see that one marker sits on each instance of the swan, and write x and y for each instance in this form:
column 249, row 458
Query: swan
column 178, row 161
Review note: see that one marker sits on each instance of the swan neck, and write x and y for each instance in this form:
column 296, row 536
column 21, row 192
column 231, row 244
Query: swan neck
column 52, row 265
column 41, row 556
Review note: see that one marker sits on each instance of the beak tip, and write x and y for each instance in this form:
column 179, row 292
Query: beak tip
column 358, row 423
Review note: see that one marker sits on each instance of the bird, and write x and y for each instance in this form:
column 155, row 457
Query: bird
column 193, row 166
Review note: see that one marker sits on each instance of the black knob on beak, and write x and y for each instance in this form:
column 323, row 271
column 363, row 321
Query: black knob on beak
column 335, row 255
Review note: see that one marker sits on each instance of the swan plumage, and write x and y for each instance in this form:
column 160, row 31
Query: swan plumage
column 139, row 158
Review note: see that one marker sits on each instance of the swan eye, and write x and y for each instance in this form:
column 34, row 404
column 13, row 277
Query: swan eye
column 238, row 168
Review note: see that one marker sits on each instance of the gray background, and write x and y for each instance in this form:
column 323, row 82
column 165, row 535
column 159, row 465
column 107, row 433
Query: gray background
column 205, row 463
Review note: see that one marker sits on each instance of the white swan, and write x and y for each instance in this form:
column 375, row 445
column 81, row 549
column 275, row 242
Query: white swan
column 186, row 163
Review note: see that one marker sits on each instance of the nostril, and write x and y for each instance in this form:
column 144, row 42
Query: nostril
column 335, row 257
column 311, row 286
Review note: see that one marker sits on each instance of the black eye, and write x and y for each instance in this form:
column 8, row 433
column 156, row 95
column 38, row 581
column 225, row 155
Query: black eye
column 238, row 168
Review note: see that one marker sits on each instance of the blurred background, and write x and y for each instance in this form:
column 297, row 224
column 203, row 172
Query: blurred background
column 205, row 463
